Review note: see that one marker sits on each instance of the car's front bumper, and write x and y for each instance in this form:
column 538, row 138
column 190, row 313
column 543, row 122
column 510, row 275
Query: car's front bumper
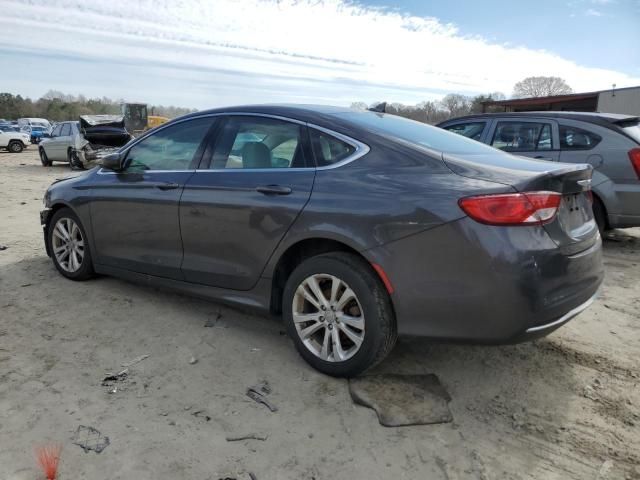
column 45, row 215
column 470, row 282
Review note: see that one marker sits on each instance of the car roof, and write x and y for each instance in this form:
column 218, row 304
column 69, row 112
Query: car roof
column 591, row 117
column 305, row 113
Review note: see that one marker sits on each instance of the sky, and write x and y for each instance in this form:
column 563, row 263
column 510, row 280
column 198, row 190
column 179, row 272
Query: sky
column 209, row 53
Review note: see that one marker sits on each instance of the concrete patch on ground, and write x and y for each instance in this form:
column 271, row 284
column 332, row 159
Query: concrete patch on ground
column 401, row 400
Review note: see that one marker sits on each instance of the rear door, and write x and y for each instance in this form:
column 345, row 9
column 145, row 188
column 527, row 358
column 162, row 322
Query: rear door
column 256, row 178
column 64, row 141
column 528, row 137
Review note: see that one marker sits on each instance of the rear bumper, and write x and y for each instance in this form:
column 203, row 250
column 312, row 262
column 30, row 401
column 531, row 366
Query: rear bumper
column 470, row 282
column 532, row 333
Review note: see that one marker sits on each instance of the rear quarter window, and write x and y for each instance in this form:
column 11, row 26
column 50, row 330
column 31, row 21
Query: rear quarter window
column 574, row 138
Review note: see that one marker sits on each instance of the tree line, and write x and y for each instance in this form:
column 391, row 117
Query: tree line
column 432, row 112
column 457, row 105
column 57, row 106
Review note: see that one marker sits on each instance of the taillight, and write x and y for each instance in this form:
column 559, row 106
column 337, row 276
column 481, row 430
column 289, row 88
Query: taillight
column 529, row 208
column 634, row 156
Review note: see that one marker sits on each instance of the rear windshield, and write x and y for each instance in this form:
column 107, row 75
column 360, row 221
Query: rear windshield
column 633, row 131
column 418, row 133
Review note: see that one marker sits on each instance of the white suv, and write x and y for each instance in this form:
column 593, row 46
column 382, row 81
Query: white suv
column 15, row 142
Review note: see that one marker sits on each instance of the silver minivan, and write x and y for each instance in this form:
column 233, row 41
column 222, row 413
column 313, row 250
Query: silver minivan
column 610, row 142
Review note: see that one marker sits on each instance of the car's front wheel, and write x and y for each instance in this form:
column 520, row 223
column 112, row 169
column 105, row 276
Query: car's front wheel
column 44, row 159
column 15, row 147
column 69, row 246
column 339, row 314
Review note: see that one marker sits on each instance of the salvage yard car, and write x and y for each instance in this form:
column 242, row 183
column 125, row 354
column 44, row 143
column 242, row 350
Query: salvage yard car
column 13, row 141
column 82, row 143
column 355, row 226
column 609, row 142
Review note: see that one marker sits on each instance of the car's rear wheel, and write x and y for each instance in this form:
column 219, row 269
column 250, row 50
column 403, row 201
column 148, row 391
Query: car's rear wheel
column 44, row 159
column 69, row 246
column 339, row 314
column 15, row 147
column 74, row 160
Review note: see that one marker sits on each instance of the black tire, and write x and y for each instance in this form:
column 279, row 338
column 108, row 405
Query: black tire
column 85, row 271
column 600, row 215
column 44, row 159
column 74, row 160
column 380, row 330
column 15, row 146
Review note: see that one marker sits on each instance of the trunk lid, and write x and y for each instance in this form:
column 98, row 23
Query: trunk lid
column 104, row 130
column 574, row 228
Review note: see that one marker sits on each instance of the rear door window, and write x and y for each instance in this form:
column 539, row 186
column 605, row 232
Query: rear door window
column 574, row 138
column 66, row 130
column 471, row 130
column 522, row 136
column 247, row 142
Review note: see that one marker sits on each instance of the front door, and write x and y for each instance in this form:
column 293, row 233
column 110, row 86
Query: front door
column 52, row 145
column 234, row 211
column 134, row 213
column 531, row 138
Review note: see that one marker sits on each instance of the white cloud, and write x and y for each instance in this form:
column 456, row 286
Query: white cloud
column 592, row 12
column 326, row 51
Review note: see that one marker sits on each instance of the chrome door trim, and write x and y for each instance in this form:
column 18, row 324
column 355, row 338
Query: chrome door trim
column 361, row 148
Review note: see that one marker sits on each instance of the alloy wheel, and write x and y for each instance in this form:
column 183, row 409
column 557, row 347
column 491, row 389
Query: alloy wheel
column 328, row 318
column 68, row 244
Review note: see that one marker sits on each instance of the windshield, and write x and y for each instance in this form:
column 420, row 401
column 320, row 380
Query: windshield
column 633, row 131
column 418, row 133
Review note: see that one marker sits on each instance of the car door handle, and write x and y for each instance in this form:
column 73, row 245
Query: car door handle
column 540, row 157
column 168, row 186
column 273, row 190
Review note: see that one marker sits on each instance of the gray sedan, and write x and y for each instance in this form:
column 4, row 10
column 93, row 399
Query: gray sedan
column 354, row 226
column 609, row 142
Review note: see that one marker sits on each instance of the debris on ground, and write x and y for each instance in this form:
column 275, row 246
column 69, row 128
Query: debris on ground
column 3, row 247
column 253, row 476
column 135, row 361
column 26, row 284
column 259, row 392
column 111, row 379
column 48, row 459
column 247, row 436
column 212, row 322
column 401, row 400
column 201, row 414
column 88, row 438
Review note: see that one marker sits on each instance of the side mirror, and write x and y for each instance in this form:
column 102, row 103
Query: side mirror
column 113, row 161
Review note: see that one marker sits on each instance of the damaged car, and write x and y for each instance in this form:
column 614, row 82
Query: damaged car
column 83, row 143
column 354, row 226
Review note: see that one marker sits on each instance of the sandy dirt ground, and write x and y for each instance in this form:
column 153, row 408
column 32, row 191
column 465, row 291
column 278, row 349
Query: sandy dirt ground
column 565, row 407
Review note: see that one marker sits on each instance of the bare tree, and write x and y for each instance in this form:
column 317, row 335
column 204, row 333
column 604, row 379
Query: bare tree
column 456, row 105
column 541, row 87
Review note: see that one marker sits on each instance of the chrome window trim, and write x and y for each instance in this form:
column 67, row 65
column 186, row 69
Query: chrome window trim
column 102, row 171
column 361, row 148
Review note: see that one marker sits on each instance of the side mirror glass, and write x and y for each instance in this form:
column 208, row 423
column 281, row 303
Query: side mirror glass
column 113, row 161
